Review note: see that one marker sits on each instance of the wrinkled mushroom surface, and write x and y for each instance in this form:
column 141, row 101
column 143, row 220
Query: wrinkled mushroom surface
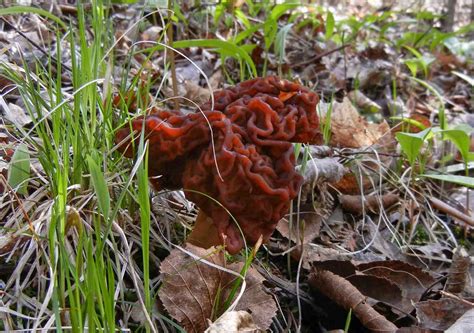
column 248, row 169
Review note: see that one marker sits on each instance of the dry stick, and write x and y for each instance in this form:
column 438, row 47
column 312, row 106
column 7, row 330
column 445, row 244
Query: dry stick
column 22, row 208
column 343, row 293
column 35, row 45
column 449, row 210
column 169, row 33
column 319, row 56
column 452, row 296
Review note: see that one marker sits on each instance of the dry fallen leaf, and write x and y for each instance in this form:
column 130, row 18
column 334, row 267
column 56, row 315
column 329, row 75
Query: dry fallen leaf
column 350, row 130
column 234, row 321
column 16, row 115
column 464, row 324
column 191, row 289
column 350, row 183
column 378, row 288
column 309, row 226
column 459, row 271
column 320, row 170
column 440, row 314
column 190, row 91
column 411, row 279
column 255, row 300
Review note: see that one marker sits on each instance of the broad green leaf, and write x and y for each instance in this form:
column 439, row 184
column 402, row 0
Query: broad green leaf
column 100, row 186
column 461, row 180
column 413, row 50
column 411, row 143
column 410, row 121
column 246, row 33
column 460, row 139
column 218, row 12
column 270, row 26
column 157, row 3
column 426, row 15
column 329, row 25
column 124, row 1
column 243, row 18
column 441, row 113
column 459, row 47
column 412, row 65
column 465, row 128
column 410, row 146
column 19, row 170
column 33, row 10
column 457, row 167
column 219, row 45
column 465, row 77
column 280, row 42
column 281, row 9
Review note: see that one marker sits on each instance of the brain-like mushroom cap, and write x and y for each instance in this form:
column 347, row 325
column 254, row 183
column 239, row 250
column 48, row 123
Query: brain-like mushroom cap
column 238, row 157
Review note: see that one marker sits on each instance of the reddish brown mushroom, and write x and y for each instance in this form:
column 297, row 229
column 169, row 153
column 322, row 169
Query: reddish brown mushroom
column 248, row 166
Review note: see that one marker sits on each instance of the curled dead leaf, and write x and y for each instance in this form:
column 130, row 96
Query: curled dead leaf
column 459, row 271
column 305, row 231
column 349, row 184
column 412, row 280
column 440, row 314
column 356, row 204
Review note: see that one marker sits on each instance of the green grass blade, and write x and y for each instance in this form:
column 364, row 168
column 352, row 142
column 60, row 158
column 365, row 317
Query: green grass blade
column 100, row 186
column 220, row 45
column 23, row 9
column 461, row 180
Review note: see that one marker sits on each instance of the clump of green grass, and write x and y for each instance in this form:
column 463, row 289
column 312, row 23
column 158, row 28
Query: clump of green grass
column 84, row 262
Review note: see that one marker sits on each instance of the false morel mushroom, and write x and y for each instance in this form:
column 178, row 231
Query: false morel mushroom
column 235, row 161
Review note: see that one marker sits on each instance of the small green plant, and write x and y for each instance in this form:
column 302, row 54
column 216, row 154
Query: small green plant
column 326, row 125
column 270, row 28
column 279, row 45
column 411, row 144
column 330, row 23
column 419, row 62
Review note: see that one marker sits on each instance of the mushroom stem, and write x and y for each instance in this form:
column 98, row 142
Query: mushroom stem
column 204, row 233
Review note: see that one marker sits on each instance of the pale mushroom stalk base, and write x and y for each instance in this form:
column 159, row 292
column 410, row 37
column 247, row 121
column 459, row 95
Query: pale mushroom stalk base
column 204, row 233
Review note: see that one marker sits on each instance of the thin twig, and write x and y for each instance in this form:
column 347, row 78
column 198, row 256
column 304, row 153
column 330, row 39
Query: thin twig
column 35, row 45
column 319, row 56
column 452, row 296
